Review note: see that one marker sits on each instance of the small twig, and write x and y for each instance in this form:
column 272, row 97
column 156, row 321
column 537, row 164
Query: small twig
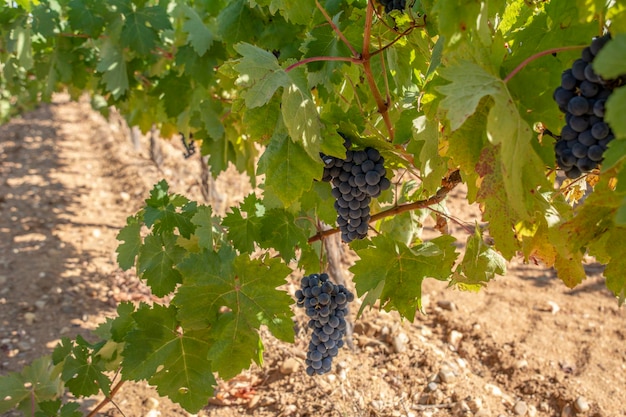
column 538, row 55
column 107, row 399
column 339, row 33
column 323, row 58
column 400, row 36
column 448, row 184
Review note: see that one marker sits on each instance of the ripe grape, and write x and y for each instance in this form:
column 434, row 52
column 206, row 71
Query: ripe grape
column 326, row 306
column 582, row 97
column 356, row 179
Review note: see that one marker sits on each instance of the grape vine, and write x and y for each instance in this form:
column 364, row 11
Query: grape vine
column 431, row 95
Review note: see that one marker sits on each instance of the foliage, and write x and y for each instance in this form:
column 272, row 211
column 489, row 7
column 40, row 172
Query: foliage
column 446, row 89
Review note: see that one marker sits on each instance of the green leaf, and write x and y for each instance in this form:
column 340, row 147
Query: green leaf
column 402, row 270
column 123, row 323
column 175, row 361
column 480, row 263
column 248, row 288
column 611, row 60
column 289, row 169
column 83, row 375
column 162, row 211
column 204, row 226
column 615, row 105
column 113, row 65
column 37, row 382
column 237, row 22
column 260, row 70
column 280, row 231
column 199, row 35
column 300, row 115
column 127, row 251
column 614, row 271
column 245, row 231
column 85, row 17
column 156, row 261
column 141, row 26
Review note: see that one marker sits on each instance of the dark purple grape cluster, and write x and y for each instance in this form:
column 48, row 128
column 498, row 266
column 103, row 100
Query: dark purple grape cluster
column 393, row 5
column 326, row 305
column 582, row 96
column 356, row 180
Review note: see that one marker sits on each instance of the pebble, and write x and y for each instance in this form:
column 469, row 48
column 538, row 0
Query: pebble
column 521, row 364
column 520, row 408
column 482, row 413
column 289, row 366
column 581, row 405
column 475, row 404
column 446, row 305
column 153, row 413
column 567, row 411
column 454, row 338
column 29, row 318
column 40, row 304
column 151, row 403
column 446, row 375
column 3, row 279
column 254, row 401
column 493, row 390
column 23, row 346
column 461, row 408
column 432, row 386
column 399, row 342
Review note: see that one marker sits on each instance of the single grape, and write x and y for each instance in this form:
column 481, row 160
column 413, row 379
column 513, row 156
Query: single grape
column 600, row 130
column 578, row 106
column 595, row 153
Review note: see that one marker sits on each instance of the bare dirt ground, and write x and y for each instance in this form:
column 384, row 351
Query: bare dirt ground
column 526, row 345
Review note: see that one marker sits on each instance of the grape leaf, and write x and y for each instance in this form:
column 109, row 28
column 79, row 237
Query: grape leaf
column 614, row 116
column 480, row 263
column 123, row 323
column 83, row 375
column 175, row 361
column 611, row 62
column 279, row 231
column 259, row 69
column 85, row 16
column 245, row 231
column 614, row 271
column 199, row 35
column 300, row 114
column 204, row 226
column 162, row 211
column 36, row 381
column 113, row 66
column 237, row 22
column 156, row 260
column 248, row 288
column 496, row 209
column 127, row 251
column 141, row 26
column 289, row 169
column 402, row 269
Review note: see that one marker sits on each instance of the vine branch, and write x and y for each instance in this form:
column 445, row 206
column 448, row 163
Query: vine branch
column 107, row 399
column 536, row 56
column 382, row 105
column 448, row 184
column 339, row 33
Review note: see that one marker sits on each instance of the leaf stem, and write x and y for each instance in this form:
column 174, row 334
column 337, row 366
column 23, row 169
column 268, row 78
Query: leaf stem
column 539, row 55
column 448, row 184
column 323, row 58
column 107, row 399
column 339, row 33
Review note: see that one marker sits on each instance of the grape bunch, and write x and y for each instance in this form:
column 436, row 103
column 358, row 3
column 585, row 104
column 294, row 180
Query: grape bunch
column 356, row 179
column 393, row 5
column 326, row 305
column 582, row 96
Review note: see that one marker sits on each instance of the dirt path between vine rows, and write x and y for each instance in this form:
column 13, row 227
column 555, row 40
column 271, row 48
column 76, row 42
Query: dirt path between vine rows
column 526, row 345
